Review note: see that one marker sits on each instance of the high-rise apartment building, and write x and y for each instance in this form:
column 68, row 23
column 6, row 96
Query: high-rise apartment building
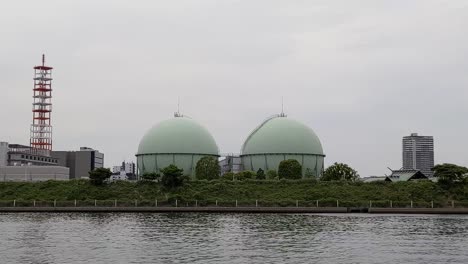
column 418, row 153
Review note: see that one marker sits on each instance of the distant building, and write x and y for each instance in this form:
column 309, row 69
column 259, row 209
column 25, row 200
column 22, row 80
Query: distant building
column 126, row 171
column 119, row 176
column 230, row 163
column 80, row 162
column 406, row 175
column 418, row 153
column 116, row 169
column 129, row 167
column 20, row 155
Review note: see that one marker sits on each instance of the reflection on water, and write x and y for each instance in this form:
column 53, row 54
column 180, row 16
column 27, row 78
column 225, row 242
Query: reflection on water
column 232, row 238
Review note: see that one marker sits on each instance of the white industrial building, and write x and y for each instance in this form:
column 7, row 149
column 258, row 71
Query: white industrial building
column 124, row 172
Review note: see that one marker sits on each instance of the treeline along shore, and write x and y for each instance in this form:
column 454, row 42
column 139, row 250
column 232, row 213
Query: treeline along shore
column 307, row 193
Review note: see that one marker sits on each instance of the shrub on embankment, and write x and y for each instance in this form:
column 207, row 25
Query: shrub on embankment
column 265, row 190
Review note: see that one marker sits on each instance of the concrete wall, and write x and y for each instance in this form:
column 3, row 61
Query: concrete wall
column 33, row 173
column 61, row 156
column 83, row 164
column 313, row 163
column 66, row 159
column 3, row 153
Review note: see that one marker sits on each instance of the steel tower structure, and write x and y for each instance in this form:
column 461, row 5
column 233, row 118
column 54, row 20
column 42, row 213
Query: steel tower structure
column 41, row 128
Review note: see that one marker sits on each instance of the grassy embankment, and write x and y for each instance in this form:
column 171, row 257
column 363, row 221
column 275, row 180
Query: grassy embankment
column 281, row 193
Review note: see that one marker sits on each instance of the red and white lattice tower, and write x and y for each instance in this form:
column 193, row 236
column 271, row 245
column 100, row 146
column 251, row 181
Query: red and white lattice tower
column 41, row 129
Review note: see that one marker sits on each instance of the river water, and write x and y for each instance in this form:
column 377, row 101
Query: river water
column 231, row 238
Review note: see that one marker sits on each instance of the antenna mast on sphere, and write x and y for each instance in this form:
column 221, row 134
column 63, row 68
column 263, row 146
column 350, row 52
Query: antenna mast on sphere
column 282, row 108
column 178, row 114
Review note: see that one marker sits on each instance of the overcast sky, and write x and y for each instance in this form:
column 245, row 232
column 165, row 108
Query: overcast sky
column 361, row 74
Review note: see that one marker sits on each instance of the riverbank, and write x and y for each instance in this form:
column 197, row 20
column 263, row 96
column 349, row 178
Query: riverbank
column 256, row 210
column 266, row 193
column 290, row 210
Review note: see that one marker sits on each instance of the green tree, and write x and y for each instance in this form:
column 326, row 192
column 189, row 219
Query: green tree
column 172, row 177
column 99, row 176
column 340, row 172
column 150, row 176
column 244, row 175
column 260, row 174
column 207, row 169
column 449, row 174
column 290, row 169
column 309, row 174
column 228, row 176
column 272, row 175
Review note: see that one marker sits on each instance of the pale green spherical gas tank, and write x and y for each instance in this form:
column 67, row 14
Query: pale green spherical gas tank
column 279, row 135
column 179, row 141
column 280, row 138
column 179, row 135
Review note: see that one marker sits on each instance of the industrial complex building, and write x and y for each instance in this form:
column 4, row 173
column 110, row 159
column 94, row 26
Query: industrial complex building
column 279, row 138
column 80, row 162
column 21, row 155
column 24, row 163
column 34, row 162
column 30, row 164
column 180, row 141
column 38, row 162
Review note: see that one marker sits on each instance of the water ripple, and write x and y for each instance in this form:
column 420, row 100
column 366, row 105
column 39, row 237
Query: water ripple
column 232, row 238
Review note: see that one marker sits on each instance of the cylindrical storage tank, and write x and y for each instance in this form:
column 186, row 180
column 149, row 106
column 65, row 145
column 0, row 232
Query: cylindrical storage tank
column 180, row 141
column 280, row 138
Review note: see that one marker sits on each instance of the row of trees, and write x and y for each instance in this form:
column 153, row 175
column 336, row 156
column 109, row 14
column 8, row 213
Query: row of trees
column 208, row 168
column 170, row 177
column 448, row 175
